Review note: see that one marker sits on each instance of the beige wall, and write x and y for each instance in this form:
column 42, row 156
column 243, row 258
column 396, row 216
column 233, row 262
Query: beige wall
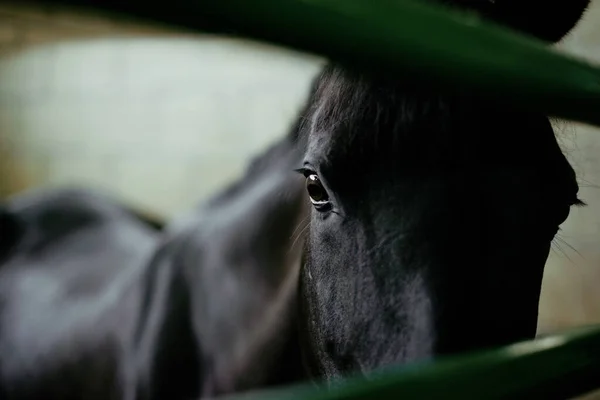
column 571, row 291
column 160, row 118
column 164, row 119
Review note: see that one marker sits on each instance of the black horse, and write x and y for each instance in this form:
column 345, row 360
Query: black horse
column 68, row 262
column 433, row 211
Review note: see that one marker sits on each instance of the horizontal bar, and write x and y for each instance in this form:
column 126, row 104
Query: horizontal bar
column 402, row 36
column 554, row 367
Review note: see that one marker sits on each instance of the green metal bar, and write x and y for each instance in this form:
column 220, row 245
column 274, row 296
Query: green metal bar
column 406, row 37
column 554, row 367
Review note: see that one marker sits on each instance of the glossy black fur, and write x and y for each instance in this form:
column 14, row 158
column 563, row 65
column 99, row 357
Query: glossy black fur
column 229, row 271
column 71, row 259
column 96, row 303
column 443, row 208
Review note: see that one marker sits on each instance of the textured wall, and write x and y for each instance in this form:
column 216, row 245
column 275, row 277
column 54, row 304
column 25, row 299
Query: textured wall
column 571, row 292
column 164, row 119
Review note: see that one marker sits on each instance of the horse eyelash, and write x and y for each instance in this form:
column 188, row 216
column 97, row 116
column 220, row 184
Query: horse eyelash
column 303, row 171
column 579, row 203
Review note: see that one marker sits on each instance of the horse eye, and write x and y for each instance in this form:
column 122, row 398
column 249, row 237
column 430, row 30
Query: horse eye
column 316, row 191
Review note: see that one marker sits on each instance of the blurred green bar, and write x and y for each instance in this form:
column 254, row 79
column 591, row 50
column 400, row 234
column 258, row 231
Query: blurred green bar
column 553, row 367
column 403, row 36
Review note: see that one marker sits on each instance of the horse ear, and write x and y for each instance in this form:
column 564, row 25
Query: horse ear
column 547, row 20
